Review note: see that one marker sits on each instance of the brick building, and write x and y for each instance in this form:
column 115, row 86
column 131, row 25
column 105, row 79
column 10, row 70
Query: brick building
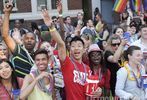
column 31, row 9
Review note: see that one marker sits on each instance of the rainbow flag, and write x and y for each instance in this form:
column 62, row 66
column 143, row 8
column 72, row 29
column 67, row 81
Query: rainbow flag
column 135, row 5
column 120, row 5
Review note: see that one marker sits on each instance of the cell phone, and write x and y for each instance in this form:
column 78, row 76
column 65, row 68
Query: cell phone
column 126, row 36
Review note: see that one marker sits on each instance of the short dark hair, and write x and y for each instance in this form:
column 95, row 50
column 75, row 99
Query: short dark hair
column 76, row 38
column 40, row 51
column 44, row 28
column 54, row 17
column 66, row 18
column 30, row 32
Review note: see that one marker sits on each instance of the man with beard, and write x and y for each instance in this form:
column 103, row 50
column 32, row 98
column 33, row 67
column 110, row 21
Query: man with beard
column 21, row 58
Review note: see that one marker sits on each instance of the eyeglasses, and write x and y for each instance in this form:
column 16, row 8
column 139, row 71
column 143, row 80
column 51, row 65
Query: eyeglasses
column 115, row 44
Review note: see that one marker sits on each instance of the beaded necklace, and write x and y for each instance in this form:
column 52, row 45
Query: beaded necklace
column 77, row 69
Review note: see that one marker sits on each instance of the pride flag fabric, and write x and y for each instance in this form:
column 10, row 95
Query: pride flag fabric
column 120, row 5
column 135, row 5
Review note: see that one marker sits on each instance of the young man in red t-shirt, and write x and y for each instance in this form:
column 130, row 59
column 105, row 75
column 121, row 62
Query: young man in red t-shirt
column 73, row 70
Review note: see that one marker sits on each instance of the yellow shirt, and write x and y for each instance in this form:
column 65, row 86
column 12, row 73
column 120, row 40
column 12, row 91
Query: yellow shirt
column 37, row 94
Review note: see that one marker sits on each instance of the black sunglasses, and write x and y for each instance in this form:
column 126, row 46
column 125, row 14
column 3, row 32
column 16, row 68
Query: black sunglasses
column 54, row 20
column 115, row 44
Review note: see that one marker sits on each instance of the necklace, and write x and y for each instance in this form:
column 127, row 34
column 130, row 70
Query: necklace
column 83, row 80
column 129, row 72
column 135, row 77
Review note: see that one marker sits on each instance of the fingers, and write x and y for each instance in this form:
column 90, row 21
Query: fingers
column 9, row 4
column 98, row 92
column 58, row 2
column 45, row 14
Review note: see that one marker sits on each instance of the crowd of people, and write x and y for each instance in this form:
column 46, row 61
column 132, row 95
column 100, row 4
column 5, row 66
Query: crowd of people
column 80, row 60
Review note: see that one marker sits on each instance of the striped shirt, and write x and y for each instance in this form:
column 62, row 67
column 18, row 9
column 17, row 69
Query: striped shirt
column 21, row 61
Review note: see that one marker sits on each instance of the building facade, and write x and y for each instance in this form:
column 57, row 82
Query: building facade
column 31, row 9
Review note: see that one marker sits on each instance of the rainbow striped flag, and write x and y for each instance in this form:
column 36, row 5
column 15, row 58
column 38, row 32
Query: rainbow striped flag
column 135, row 5
column 120, row 5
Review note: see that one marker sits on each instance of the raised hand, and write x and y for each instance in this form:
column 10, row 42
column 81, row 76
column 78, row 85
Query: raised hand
column 17, row 36
column 97, row 93
column 46, row 18
column 8, row 7
column 42, row 75
column 124, row 42
column 59, row 6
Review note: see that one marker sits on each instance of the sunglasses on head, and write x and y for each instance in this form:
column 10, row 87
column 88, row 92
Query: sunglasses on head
column 115, row 44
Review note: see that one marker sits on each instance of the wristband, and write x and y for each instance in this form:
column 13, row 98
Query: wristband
column 52, row 30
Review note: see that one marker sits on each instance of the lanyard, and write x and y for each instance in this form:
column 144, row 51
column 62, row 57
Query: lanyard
column 137, row 81
column 77, row 69
column 135, row 77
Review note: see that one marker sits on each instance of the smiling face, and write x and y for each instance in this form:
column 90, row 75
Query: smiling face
column 5, row 70
column 119, row 32
column 77, row 50
column 95, row 57
column 115, row 44
column 41, row 61
column 136, row 57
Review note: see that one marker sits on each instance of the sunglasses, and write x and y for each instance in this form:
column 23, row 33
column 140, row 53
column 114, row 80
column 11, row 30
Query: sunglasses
column 115, row 44
column 54, row 20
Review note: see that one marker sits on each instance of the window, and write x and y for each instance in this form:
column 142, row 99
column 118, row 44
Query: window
column 53, row 3
column 14, row 4
column 41, row 4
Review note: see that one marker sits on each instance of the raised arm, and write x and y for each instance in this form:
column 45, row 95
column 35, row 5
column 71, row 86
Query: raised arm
column 29, row 84
column 55, row 35
column 59, row 9
column 118, row 52
column 5, row 27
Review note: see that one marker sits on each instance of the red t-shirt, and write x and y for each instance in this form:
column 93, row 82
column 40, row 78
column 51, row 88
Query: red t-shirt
column 74, row 87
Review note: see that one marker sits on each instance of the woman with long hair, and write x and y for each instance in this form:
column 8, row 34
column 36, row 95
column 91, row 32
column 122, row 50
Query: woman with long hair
column 99, row 70
column 8, row 81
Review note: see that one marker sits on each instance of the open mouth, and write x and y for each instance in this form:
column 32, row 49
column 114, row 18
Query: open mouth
column 76, row 53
